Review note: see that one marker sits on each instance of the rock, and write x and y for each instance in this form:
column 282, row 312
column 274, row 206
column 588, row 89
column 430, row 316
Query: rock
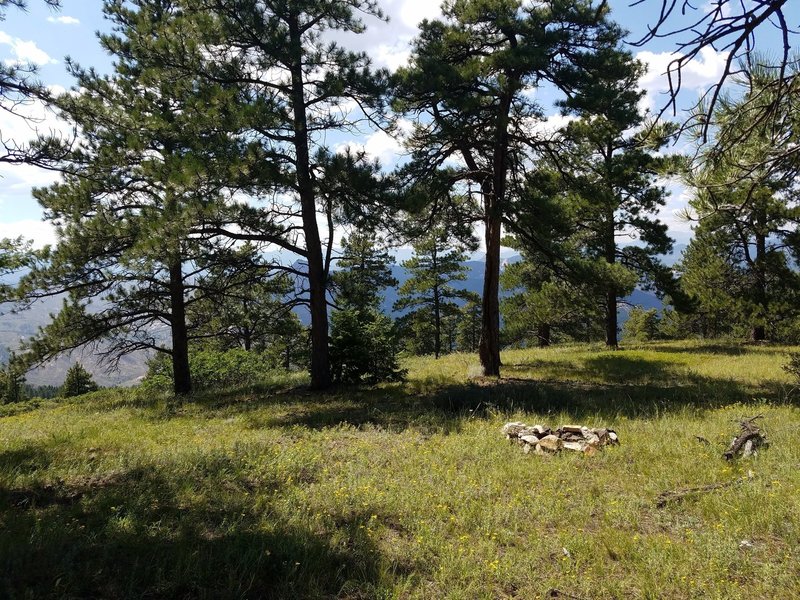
column 574, row 446
column 541, row 440
column 571, row 428
column 590, row 450
column 583, row 447
column 550, row 443
column 529, row 431
column 512, row 429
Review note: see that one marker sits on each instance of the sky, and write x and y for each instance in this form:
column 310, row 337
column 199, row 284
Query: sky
column 45, row 37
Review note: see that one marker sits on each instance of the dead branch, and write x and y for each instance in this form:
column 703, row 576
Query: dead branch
column 678, row 495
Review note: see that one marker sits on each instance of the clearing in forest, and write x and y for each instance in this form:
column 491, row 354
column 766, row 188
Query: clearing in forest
column 410, row 490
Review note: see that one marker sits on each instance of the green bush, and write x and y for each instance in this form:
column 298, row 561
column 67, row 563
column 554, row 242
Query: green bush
column 793, row 366
column 211, row 369
column 641, row 326
column 364, row 347
column 232, row 368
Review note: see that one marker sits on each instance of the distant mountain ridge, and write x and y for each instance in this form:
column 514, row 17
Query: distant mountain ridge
column 17, row 327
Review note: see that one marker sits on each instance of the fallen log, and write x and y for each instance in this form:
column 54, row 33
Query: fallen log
column 748, row 441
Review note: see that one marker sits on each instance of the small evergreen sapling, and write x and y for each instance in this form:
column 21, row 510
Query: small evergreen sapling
column 78, row 382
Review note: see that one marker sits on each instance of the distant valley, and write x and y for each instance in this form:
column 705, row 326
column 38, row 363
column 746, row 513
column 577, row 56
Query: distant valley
column 17, row 327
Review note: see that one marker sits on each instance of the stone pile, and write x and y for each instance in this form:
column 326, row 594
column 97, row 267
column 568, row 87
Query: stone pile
column 540, row 439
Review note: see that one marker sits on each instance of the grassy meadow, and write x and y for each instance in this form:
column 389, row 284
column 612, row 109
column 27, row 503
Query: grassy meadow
column 409, row 490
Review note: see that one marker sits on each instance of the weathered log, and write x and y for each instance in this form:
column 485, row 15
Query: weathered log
column 748, row 441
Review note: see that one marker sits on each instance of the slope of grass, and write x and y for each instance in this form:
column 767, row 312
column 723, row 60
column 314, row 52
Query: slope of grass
column 409, row 490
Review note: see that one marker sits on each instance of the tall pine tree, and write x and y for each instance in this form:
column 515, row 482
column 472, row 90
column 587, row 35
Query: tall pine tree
column 471, row 84
column 136, row 194
column 298, row 86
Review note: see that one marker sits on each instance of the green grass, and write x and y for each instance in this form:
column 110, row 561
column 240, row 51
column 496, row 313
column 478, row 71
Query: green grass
column 409, row 490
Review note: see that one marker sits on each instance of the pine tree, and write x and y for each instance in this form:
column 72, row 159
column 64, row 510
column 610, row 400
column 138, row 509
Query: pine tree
column 469, row 325
column 287, row 345
column 611, row 170
column 471, row 82
column 364, row 272
column 364, row 342
column 642, row 325
column 12, row 381
column 137, row 193
column 544, row 300
column 78, row 382
column 739, row 263
column 242, row 302
column 435, row 264
column 293, row 81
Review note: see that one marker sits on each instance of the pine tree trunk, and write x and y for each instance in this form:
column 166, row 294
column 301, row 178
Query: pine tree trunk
column 248, row 340
column 759, row 333
column 437, row 322
column 543, row 335
column 182, row 380
column 494, row 198
column 320, row 362
column 611, row 293
column 611, row 319
column 489, row 345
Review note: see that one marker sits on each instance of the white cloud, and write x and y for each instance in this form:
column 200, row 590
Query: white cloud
column 413, row 12
column 392, row 56
column 25, row 51
column 696, row 76
column 388, row 149
column 550, row 125
column 64, row 20
column 40, row 232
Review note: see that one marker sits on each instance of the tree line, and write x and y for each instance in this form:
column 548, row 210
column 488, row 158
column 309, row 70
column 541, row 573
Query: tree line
column 217, row 138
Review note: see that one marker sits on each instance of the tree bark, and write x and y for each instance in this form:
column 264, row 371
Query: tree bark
column 759, row 332
column 610, row 243
column 543, row 335
column 489, row 345
column 181, row 375
column 320, row 361
column 494, row 199
column 437, row 322
column 437, row 317
column 611, row 319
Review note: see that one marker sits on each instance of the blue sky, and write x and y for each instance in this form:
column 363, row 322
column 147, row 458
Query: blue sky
column 45, row 37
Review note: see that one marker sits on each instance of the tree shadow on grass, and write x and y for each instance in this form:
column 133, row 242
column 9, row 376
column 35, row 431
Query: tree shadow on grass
column 604, row 386
column 732, row 348
column 136, row 534
column 27, row 459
